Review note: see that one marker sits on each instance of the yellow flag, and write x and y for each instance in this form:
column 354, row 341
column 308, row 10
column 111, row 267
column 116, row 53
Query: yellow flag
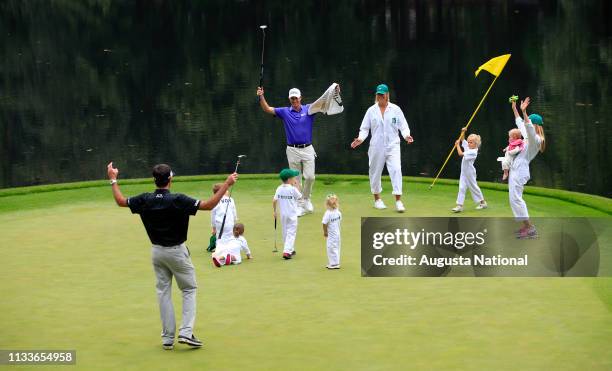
column 494, row 65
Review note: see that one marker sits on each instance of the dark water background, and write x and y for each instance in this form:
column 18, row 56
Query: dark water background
column 142, row 82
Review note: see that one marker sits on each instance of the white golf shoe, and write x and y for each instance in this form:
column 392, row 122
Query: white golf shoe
column 301, row 211
column 308, row 205
column 379, row 204
column 399, row 206
column 457, row 209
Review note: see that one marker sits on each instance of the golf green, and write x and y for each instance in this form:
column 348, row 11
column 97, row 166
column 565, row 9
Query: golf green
column 77, row 275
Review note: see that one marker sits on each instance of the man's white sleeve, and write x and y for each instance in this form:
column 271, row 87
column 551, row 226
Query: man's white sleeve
column 325, row 218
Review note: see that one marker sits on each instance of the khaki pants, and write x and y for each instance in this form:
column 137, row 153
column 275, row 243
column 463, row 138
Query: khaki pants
column 168, row 262
column 303, row 160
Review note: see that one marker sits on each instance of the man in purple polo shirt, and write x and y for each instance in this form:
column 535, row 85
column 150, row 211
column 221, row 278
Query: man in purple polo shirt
column 300, row 152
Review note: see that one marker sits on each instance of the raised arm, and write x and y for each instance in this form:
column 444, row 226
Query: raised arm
column 262, row 102
column 459, row 141
column 532, row 142
column 113, row 173
column 214, row 200
column 516, row 112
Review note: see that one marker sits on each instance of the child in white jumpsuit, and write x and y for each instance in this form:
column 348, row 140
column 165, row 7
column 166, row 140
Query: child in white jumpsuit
column 467, row 179
column 217, row 213
column 331, row 230
column 287, row 196
column 383, row 120
column 519, row 172
column 229, row 250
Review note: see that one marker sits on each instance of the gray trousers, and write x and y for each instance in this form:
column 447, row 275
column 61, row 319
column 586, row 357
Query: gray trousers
column 174, row 261
column 303, row 160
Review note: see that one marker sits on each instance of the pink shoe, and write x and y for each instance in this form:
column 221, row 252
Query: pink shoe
column 528, row 233
column 216, row 262
column 228, row 259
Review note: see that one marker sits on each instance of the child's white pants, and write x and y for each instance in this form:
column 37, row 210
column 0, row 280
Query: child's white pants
column 221, row 252
column 289, row 225
column 333, row 251
column 468, row 181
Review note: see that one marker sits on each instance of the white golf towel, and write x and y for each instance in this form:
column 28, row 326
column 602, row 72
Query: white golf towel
column 330, row 103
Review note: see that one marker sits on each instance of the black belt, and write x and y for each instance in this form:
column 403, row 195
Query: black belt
column 300, row 145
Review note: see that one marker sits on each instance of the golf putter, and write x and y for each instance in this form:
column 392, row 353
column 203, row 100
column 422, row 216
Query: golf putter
column 240, row 157
column 275, row 249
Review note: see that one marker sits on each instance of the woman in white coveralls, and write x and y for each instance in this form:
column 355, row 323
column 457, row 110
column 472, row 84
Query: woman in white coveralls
column 519, row 172
column 384, row 119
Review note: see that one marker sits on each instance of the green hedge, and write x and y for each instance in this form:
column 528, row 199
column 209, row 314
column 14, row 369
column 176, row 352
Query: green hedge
column 596, row 202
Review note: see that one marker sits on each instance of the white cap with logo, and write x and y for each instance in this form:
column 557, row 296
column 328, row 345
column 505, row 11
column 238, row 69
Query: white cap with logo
column 295, row 92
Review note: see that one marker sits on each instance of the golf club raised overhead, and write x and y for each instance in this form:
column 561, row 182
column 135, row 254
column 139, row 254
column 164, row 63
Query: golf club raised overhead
column 263, row 43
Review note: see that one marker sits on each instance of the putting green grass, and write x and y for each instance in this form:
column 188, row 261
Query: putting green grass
column 76, row 274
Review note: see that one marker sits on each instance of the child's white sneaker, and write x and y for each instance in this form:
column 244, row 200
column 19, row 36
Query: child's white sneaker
column 482, row 205
column 399, row 206
column 457, row 209
column 379, row 204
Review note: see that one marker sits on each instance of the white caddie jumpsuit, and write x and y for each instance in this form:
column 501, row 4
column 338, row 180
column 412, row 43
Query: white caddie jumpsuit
column 333, row 218
column 467, row 179
column 384, row 144
column 287, row 197
column 519, row 172
column 216, row 217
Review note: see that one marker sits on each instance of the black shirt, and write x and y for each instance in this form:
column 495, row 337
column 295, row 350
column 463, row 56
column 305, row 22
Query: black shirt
column 165, row 215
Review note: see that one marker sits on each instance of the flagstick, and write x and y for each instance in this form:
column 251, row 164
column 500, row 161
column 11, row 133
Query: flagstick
column 466, row 126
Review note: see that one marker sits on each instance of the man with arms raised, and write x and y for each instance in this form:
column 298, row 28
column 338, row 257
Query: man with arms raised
column 300, row 152
column 165, row 217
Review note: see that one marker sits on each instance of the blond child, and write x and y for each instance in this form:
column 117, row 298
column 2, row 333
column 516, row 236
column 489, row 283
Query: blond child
column 515, row 145
column 467, row 179
column 286, row 197
column 229, row 250
column 218, row 212
column 331, row 230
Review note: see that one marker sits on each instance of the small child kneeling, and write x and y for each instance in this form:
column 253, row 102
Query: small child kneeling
column 228, row 250
column 331, row 230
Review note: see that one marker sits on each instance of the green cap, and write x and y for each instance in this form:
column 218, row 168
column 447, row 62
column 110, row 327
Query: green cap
column 536, row 119
column 288, row 173
column 382, row 89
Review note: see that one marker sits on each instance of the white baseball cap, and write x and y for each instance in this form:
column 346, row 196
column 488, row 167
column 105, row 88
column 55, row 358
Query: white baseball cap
column 295, row 92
